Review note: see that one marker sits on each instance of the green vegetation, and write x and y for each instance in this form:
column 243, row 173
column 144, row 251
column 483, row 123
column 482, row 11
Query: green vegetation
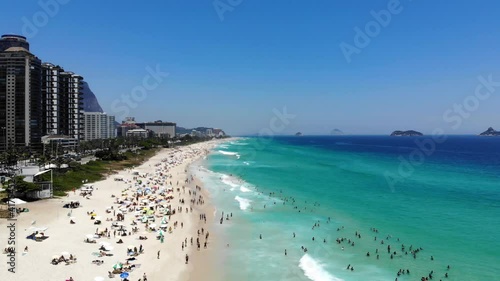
column 21, row 185
column 67, row 180
column 113, row 155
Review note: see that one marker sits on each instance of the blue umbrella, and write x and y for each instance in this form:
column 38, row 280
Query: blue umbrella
column 124, row 275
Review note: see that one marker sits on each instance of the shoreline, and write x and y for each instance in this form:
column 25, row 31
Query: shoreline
column 66, row 237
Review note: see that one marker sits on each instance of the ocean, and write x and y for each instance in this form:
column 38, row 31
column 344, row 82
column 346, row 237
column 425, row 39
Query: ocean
column 356, row 207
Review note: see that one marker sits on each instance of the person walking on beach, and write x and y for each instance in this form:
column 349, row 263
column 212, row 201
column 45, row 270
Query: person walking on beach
column 187, row 259
column 158, row 255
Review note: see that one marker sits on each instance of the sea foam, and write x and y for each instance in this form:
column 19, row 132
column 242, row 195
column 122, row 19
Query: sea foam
column 314, row 271
column 244, row 203
column 239, row 143
column 227, row 152
column 230, row 153
column 227, row 180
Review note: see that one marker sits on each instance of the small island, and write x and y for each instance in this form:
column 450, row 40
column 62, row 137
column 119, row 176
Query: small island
column 490, row 132
column 299, row 134
column 409, row 133
column 336, row 132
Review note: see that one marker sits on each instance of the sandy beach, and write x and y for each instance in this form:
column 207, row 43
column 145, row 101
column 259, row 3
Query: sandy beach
column 161, row 259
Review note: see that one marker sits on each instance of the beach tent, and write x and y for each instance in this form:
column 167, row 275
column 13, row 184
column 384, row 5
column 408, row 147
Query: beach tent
column 37, row 229
column 65, row 255
column 16, row 201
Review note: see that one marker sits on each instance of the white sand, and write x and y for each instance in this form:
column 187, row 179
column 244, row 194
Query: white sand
column 66, row 237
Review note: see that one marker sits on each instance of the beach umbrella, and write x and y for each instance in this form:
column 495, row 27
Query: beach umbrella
column 99, row 278
column 16, row 201
column 124, row 275
column 90, row 236
column 117, row 265
column 98, row 218
column 104, row 244
column 39, row 235
column 65, row 255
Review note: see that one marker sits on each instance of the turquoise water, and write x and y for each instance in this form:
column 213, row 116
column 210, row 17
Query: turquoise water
column 449, row 205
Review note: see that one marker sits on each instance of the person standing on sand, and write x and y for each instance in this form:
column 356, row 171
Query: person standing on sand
column 158, row 255
column 187, row 259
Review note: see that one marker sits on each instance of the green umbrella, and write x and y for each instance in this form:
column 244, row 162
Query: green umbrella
column 118, row 265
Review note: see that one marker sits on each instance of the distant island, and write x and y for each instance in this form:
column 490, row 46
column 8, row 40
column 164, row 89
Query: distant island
column 409, row 133
column 299, row 134
column 490, row 132
column 336, row 132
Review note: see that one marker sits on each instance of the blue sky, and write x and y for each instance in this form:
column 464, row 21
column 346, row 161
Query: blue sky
column 266, row 55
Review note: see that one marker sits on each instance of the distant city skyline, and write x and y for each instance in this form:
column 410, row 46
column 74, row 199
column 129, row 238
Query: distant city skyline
column 364, row 67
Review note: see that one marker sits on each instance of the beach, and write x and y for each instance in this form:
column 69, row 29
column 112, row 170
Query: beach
column 161, row 259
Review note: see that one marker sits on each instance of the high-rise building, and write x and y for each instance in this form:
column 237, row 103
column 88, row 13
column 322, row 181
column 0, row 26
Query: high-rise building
column 51, row 98
column 72, row 105
column 62, row 102
column 126, row 125
column 10, row 40
column 99, row 126
column 20, row 94
column 159, row 128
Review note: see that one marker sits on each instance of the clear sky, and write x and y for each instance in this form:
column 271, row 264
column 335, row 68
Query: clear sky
column 230, row 68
